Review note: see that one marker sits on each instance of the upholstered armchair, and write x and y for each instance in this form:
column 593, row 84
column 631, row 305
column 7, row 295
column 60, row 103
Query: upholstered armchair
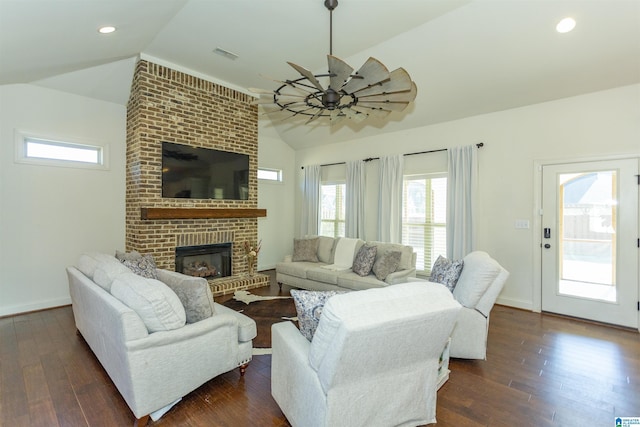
column 373, row 360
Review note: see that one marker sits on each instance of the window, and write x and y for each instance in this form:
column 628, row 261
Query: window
column 270, row 174
column 58, row 153
column 424, row 214
column 332, row 209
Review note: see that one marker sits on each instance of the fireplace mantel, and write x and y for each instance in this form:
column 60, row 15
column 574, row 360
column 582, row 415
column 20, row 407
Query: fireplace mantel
column 200, row 213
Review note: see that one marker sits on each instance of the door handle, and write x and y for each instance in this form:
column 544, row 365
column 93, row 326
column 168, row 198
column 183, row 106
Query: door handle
column 547, row 246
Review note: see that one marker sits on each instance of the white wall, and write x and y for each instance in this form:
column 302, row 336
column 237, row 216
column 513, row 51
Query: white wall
column 50, row 215
column 276, row 230
column 595, row 125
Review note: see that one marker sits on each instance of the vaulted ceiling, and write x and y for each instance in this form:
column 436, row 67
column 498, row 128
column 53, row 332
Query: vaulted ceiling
column 466, row 57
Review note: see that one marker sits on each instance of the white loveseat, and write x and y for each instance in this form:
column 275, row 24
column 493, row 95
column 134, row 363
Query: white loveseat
column 153, row 370
column 314, row 272
column 373, row 360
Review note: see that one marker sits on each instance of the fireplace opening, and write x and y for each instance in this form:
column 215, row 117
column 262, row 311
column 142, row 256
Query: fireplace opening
column 208, row 261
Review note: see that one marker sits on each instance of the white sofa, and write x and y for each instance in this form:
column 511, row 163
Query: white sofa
column 152, row 370
column 314, row 274
column 372, row 361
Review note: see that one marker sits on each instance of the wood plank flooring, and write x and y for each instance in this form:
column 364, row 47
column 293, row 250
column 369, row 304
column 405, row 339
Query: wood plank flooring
column 542, row 370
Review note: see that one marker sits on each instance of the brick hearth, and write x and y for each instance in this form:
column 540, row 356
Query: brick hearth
column 168, row 105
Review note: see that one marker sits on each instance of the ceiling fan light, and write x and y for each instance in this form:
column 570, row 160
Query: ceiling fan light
column 106, row 29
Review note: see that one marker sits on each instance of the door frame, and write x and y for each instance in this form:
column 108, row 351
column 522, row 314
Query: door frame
column 537, row 217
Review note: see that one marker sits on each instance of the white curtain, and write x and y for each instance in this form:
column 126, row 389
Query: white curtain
column 354, row 199
column 462, row 192
column 311, row 201
column 390, row 199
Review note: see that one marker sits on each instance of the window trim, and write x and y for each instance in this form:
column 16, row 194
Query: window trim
column 23, row 138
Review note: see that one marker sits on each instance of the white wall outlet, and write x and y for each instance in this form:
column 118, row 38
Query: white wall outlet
column 522, row 223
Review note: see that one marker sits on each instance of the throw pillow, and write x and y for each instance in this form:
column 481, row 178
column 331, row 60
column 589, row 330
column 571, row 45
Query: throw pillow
column 194, row 293
column 446, row 271
column 386, row 264
column 305, row 249
column 158, row 306
column 365, row 258
column 144, row 266
column 129, row 256
column 309, row 306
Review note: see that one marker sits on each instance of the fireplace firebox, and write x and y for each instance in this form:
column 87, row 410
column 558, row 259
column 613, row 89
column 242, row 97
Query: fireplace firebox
column 208, row 261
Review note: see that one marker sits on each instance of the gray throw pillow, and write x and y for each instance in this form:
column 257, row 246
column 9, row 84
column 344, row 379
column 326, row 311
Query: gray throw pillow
column 446, row 271
column 386, row 264
column 365, row 258
column 128, row 256
column 309, row 305
column 305, row 249
column 144, row 266
column 194, row 293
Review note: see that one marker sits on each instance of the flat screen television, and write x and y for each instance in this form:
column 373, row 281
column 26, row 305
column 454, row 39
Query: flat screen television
column 203, row 173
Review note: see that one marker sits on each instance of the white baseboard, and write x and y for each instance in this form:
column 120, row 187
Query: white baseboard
column 34, row 306
column 516, row 303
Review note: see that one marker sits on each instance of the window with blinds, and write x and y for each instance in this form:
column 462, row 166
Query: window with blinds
column 332, row 211
column 424, row 215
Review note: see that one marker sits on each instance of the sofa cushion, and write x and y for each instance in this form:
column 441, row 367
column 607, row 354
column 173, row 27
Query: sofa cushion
column 296, row 269
column 157, row 305
column 309, row 306
column 386, row 264
column 106, row 273
column 365, row 258
column 352, row 281
column 479, row 271
column 406, row 258
column 325, row 249
column 324, row 275
column 446, row 271
column 87, row 263
column 305, row 249
column 194, row 293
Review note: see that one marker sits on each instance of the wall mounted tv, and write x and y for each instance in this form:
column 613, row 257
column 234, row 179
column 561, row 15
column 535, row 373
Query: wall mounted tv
column 203, row 173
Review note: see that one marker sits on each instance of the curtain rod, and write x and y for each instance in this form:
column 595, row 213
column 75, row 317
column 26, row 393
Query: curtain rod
column 478, row 145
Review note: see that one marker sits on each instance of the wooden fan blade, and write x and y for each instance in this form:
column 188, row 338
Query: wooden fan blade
column 406, row 96
column 342, row 71
column 399, row 80
column 353, row 115
column 371, row 72
column 389, row 106
column 308, row 75
column 371, row 112
column 261, row 91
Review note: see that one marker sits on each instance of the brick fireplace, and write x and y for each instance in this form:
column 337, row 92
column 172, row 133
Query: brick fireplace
column 168, row 105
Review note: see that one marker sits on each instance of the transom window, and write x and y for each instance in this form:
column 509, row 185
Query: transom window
column 58, row 153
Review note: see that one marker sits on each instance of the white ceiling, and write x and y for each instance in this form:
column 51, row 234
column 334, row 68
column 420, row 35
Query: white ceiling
column 466, row 57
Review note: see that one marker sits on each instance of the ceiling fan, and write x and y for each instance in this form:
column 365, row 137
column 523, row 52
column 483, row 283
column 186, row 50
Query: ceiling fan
column 373, row 91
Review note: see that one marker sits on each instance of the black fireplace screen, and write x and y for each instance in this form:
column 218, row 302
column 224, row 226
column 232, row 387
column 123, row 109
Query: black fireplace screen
column 208, row 261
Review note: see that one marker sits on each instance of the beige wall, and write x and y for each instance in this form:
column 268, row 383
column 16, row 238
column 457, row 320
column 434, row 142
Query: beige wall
column 596, row 125
column 50, row 215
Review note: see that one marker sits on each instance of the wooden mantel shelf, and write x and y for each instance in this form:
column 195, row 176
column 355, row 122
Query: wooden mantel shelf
column 200, row 213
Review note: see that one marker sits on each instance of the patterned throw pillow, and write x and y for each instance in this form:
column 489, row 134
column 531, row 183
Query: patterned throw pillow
column 446, row 271
column 144, row 266
column 305, row 249
column 365, row 258
column 386, row 264
column 309, row 305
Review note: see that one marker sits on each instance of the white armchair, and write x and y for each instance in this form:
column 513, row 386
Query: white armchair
column 373, row 360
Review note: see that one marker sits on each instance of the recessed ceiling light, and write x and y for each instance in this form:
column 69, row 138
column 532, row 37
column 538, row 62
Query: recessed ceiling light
column 106, row 29
column 566, row 25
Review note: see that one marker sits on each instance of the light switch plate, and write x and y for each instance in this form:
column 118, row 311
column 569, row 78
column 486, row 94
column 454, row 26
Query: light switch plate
column 522, row 223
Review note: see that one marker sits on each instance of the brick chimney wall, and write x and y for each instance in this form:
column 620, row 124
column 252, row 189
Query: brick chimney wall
column 168, row 105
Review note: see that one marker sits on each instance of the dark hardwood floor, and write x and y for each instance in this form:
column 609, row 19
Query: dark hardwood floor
column 542, row 370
